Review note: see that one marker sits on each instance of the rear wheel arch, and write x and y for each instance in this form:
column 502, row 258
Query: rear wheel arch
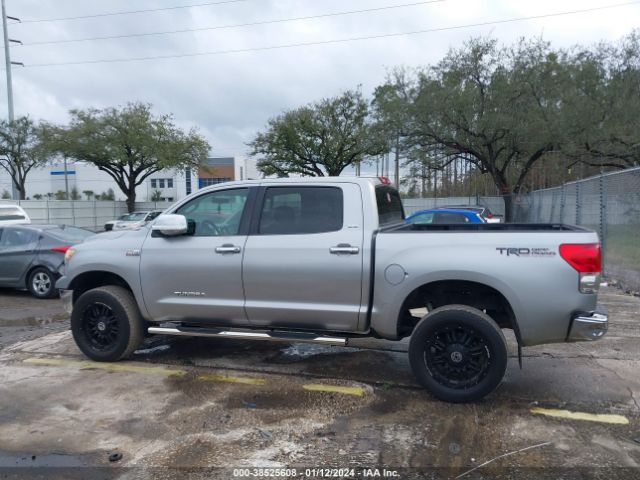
column 474, row 294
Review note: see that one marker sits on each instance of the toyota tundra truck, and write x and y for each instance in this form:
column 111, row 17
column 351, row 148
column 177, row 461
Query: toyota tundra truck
column 326, row 260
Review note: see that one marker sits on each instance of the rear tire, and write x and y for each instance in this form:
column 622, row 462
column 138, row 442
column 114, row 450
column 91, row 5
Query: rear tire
column 458, row 353
column 106, row 323
column 42, row 283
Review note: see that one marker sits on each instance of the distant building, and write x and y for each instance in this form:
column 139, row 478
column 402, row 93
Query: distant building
column 216, row 170
column 167, row 185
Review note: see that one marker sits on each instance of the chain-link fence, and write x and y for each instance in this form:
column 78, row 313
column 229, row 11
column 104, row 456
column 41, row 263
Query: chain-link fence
column 608, row 204
column 86, row 214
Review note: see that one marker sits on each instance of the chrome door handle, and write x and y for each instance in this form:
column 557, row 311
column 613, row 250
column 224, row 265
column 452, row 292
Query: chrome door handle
column 344, row 249
column 228, row 248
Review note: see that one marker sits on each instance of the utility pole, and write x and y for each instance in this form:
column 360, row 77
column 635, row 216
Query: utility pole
column 66, row 179
column 7, row 58
column 397, row 161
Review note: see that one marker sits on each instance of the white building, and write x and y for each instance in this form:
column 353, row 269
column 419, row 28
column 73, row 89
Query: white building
column 170, row 185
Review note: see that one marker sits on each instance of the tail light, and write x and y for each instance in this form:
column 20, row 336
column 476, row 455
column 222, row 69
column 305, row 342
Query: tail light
column 586, row 259
column 489, row 215
column 62, row 249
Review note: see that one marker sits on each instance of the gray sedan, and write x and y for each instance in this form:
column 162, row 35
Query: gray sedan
column 31, row 255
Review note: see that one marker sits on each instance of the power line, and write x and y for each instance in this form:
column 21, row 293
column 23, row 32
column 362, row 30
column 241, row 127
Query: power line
column 237, row 25
column 128, row 12
column 335, row 41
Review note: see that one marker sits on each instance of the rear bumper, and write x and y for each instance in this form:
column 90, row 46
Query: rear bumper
column 589, row 326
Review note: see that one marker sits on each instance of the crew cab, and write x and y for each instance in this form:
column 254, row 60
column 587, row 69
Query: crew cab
column 329, row 259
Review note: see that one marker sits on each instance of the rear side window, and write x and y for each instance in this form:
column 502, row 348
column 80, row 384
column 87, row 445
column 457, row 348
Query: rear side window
column 390, row 208
column 449, row 217
column 301, row 210
column 17, row 237
column 422, row 219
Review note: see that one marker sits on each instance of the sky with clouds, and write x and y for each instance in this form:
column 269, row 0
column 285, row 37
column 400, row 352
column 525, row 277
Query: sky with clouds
column 230, row 96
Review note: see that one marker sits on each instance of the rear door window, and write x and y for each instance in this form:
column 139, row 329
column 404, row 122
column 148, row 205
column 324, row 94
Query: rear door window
column 301, row 210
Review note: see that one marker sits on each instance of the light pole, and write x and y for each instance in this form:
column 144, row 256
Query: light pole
column 7, row 58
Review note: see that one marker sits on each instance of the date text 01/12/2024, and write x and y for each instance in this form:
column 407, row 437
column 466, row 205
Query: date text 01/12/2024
column 315, row 473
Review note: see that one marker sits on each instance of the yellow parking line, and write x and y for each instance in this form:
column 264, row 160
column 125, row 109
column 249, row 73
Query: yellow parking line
column 226, row 378
column 112, row 367
column 589, row 417
column 124, row 367
column 319, row 387
column 172, row 371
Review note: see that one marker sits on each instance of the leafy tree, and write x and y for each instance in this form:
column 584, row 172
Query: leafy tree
column 602, row 108
column 38, row 196
column 495, row 107
column 156, row 196
column 61, row 195
column 390, row 105
column 21, row 149
column 130, row 144
column 109, row 195
column 88, row 193
column 319, row 139
column 6, row 195
column 74, row 194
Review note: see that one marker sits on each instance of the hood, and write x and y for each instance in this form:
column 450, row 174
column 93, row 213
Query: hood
column 115, row 237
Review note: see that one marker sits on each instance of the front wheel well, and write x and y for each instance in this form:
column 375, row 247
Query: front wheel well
column 448, row 292
column 90, row 280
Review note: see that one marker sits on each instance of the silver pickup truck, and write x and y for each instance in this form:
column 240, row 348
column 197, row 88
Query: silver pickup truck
column 329, row 259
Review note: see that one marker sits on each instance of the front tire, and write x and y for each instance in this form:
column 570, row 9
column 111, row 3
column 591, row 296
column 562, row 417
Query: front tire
column 106, row 323
column 458, row 353
column 42, row 283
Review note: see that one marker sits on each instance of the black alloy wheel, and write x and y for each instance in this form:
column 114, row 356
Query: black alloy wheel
column 457, row 356
column 106, row 323
column 458, row 353
column 101, row 326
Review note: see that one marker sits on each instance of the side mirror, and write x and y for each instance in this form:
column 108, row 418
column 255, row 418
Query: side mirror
column 170, row 225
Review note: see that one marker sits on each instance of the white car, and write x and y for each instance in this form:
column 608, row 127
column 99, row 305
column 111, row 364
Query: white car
column 13, row 215
column 135, row 220
column 109, row 225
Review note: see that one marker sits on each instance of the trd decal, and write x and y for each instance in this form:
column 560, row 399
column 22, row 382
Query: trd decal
column 526, row 252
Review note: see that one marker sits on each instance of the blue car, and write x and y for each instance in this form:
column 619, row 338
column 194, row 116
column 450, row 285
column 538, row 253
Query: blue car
column 444, row 216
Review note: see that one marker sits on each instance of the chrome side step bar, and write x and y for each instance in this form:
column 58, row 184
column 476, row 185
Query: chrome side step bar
column 276, row 336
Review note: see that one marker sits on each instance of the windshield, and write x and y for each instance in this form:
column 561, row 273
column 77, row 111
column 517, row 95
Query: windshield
column 134, row 217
